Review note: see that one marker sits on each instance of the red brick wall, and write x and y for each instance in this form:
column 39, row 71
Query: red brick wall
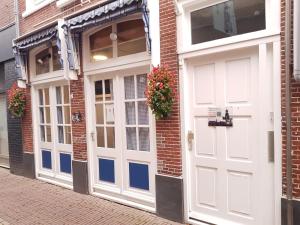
column 7, row 16
column 295, row 108
column 168, row 130
column 27, row 124
column 47, row 14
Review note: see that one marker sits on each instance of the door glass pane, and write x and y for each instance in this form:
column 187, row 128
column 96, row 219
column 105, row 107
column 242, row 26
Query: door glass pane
column 67, row 115
column 56, row 59
column 41, row 98
column 42, row 117
column 59, row 115
column 99, row 114
column 144, row 140
column 42, row 128
column 109, row 90
column 68, row 134
column 110, row 132
column 130, row 113
column 129, row 87
column 47, row 101
column 100, row 137
column 98, row 91
column 48, row 130
column 227, row 19
column 66, row 95
column 143, row 113
column 58, row 95
column 47, row 110
column 131, row 138
column 141, row 85
column 61, row 134
column 109, row 113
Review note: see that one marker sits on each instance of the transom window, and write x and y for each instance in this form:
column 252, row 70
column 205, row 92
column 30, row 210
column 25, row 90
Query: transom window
column 118, row 40
column 227, row 19
column 47, row 61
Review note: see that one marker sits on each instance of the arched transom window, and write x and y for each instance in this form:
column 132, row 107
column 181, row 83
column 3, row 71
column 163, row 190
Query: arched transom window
column 47, row 61
column 117, row 40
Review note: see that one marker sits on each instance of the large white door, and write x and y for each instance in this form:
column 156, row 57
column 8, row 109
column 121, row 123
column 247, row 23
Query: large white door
column 231, row 177
column 3, row 132
column 123, row 155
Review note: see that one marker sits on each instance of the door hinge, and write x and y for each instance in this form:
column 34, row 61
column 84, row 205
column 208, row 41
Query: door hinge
column 92, row 136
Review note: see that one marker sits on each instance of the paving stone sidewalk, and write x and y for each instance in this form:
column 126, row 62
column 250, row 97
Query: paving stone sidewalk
column 30, row 202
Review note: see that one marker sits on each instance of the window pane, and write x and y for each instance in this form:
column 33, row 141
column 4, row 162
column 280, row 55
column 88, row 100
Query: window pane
column 131, row 37
column 48, row 130
column 98, row 91
column 68, row 135
column 141, row 85
column 227, row 19
column 129, row 87
column 42, row 62
column 56, row 59
column 41, row 98
column 67, row 115
column 42, row 128
column 144, row 139
column 131, row 138
column 109, row 90
column 66, row 95
column 47, row 110
column 100, row 137
column 42, row 117
column 99, row 114
column 143, row 113
column 101, row 45
column 47, row 102
column 58, row 95
column 110, row 132
column 130, row 113
column 61, row 134
column 59, row 115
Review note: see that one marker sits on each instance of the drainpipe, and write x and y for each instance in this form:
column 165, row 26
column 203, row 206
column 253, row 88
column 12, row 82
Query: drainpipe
column 17, row 18
column 296, row 40
column 288, row 110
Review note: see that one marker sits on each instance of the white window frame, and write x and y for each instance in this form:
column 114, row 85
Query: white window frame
column 51, row 75
column 32, row 7
column 185, row 7
column 115, row 61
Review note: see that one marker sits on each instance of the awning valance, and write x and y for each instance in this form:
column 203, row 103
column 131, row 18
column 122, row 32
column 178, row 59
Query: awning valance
column 36, row 38
column 104, row 13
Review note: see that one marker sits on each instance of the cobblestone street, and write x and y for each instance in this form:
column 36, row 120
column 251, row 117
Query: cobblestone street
column 25, row 201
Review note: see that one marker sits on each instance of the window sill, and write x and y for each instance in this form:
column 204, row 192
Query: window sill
column 63, row 3
column 33, row 9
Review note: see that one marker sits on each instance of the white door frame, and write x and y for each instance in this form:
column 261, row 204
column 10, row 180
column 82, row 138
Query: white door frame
column 262, row 45
column 129, row 69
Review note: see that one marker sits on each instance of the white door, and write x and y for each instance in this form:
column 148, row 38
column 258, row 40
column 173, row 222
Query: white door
column 231, row 177
column 3, row 132
column 123, row 154
column 54, row 125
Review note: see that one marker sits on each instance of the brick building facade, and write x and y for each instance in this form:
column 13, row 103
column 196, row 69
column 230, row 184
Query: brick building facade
column 224, row 144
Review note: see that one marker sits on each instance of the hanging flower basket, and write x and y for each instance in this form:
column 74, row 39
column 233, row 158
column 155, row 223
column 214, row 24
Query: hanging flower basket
column 160, row 91
column 16, row 101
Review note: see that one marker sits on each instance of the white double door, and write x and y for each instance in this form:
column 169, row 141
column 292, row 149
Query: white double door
column 230, row 174
column 4, row 161
column 52, row 119
column 122, row 151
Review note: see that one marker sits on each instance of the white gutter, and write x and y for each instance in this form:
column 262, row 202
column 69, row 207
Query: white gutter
column 297, row 40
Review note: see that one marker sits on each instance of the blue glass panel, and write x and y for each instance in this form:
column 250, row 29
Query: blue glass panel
column 139, row 176
column 46, row 159
column 65, row 163
column 107, row 170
